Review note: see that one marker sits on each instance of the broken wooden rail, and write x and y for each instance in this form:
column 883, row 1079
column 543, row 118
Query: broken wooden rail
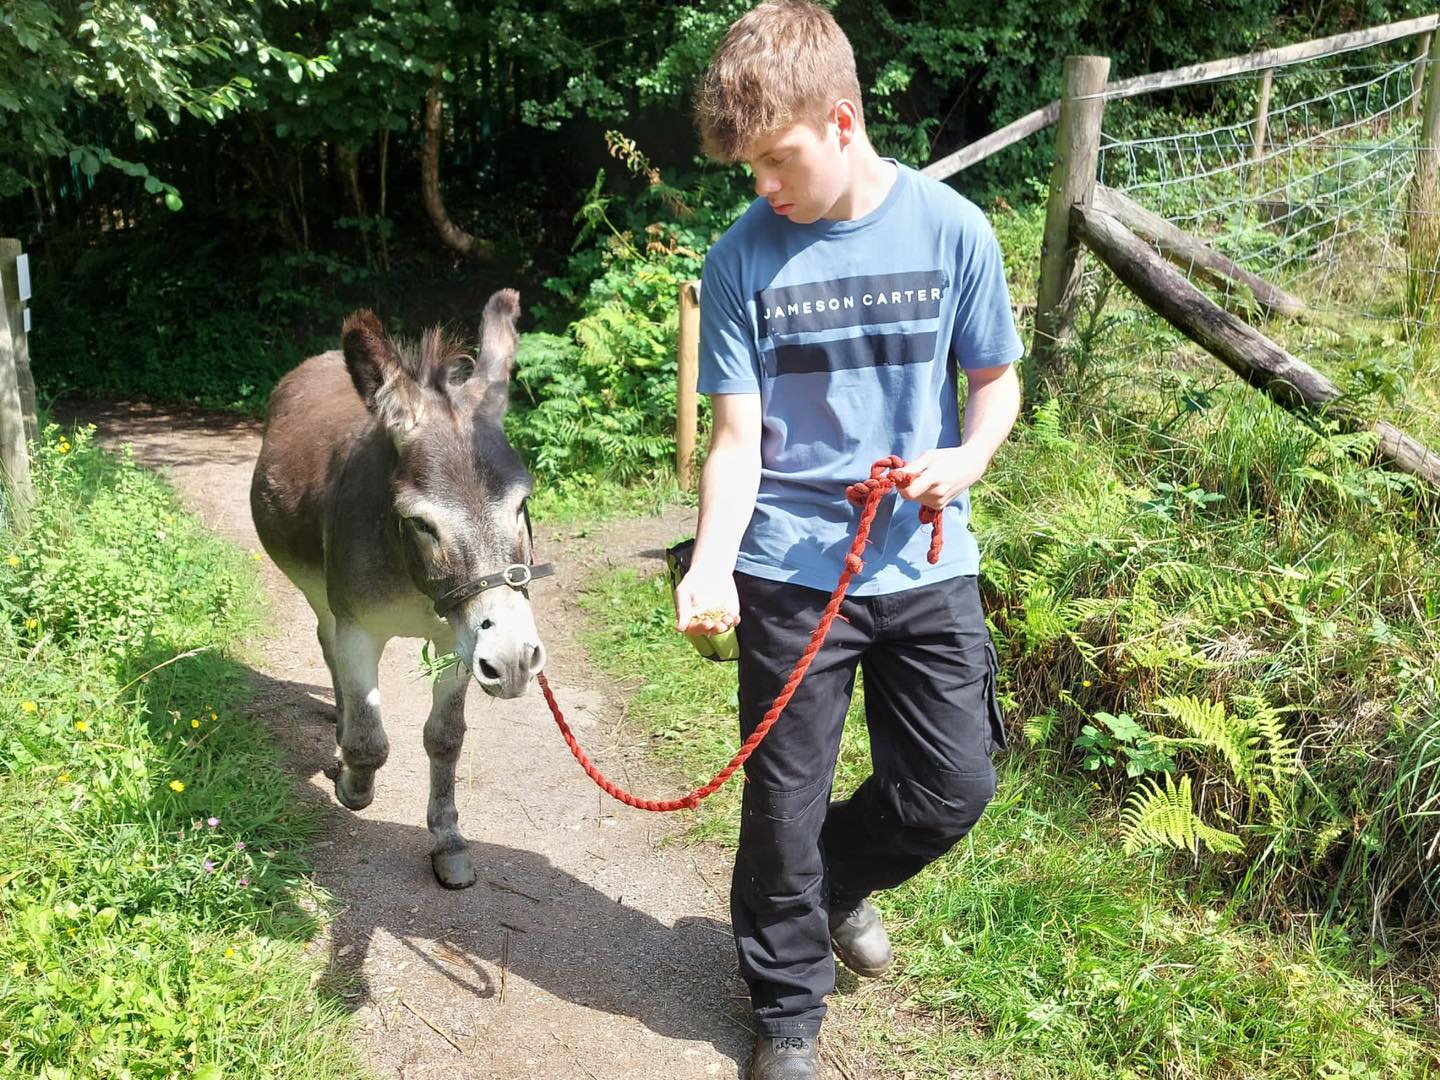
column 1263, row 364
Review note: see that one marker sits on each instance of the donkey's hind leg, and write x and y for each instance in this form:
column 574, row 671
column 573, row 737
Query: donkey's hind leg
column 363, row 746
column 444, row 734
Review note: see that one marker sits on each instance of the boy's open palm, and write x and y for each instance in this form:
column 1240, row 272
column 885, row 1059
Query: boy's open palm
column 706, row 603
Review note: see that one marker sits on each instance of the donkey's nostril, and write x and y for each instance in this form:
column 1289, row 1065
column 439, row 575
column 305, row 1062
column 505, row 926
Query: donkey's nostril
column 486, row 625
column 487, row 671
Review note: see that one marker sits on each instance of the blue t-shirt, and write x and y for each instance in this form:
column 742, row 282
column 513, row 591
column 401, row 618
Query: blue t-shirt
column 851, row 333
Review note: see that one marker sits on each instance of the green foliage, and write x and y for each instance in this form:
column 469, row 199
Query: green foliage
column 600, row 398
column 106, row 558
column 1166, row 815
column 1142, row 750
column 1252, row 591
column 59, row 62
column 157, row 915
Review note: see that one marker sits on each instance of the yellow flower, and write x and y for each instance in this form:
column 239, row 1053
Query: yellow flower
column 229, row 952
column 19, row 967
column 214, row 717
column 28, row 706
column 64, row 448
column 63, row 778
column 177, row 785
column 32, row 624
column 194, row 723
column 1085, row 683
column 70, row 931
column 13, row 560
column 258, row 556
column 81, row 725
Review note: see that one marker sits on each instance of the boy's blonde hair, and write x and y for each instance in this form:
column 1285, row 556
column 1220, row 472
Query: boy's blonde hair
column 782, row 63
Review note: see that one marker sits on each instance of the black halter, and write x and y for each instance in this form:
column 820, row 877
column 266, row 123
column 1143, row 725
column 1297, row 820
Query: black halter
column 516, row 575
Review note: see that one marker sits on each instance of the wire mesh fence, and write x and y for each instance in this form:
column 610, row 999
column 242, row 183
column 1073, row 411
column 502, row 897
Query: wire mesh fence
column 1320, row 198
column 1325, row 208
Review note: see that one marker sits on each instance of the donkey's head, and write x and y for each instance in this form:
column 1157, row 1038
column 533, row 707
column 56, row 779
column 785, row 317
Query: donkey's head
column 457, row 488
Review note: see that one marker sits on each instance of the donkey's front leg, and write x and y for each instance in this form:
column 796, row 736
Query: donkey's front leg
column 363, row 746
column 444, row 733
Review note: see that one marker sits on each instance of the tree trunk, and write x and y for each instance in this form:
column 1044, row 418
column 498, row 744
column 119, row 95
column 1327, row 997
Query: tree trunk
column 349, row 165
column 456, row 238
column 384, row 191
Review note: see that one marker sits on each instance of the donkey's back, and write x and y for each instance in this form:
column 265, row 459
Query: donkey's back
column 315, row 421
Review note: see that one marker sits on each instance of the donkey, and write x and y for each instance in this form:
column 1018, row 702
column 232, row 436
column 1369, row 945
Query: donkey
column 386, row 491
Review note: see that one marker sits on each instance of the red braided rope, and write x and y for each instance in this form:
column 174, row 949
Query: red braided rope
column 885, row 475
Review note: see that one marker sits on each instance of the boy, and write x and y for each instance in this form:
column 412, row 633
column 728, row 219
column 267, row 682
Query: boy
column 835, row 316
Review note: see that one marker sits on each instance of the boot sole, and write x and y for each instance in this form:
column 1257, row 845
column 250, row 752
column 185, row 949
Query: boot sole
column 853, row 964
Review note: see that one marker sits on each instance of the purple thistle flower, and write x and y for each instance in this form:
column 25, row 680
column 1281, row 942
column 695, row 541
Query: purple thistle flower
column 239, row 845
column 212, row 821
column 244, row 882
column 209, row 866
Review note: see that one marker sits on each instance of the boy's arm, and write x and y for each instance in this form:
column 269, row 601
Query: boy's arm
column 992, row 403
column 728, row 485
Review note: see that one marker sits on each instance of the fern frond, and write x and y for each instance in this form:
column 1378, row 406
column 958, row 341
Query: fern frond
column 1039, row 728
column 1166, row 816
column 1282, row 757
column 1232, row 737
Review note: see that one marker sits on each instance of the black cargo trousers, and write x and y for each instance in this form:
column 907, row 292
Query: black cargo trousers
column 933, row 721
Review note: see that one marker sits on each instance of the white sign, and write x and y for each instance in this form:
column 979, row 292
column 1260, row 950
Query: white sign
column 22, row 271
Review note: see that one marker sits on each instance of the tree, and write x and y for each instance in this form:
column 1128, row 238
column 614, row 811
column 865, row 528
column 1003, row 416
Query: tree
column 74, row 75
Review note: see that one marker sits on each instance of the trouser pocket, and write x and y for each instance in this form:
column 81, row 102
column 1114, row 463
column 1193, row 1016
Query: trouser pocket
column 996, row 716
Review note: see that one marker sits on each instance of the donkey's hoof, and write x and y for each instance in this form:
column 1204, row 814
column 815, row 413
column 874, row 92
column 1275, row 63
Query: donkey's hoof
column 352, row 796
column 454, row 869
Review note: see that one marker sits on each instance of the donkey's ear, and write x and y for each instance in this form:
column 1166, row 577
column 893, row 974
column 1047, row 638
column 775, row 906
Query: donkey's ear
column 496, row 360
column 369, row 357
column 376, row 370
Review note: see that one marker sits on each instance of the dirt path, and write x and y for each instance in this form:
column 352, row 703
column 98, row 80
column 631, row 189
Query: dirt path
column 587, row 949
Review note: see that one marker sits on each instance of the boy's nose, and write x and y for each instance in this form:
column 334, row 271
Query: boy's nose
column 765, row 186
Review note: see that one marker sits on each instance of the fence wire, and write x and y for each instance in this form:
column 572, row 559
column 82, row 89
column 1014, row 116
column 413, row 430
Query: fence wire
column 1328, row 209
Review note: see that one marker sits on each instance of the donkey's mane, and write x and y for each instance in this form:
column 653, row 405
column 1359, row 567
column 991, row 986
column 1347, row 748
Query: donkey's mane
column 432, row 361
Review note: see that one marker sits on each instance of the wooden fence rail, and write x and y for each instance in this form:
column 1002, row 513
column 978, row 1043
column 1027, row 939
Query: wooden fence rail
column 1192, row 75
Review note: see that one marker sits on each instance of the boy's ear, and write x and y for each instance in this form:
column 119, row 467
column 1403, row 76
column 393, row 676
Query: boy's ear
column 846, row 120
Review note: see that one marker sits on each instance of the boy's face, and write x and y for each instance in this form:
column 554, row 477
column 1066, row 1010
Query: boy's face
column 803, row 171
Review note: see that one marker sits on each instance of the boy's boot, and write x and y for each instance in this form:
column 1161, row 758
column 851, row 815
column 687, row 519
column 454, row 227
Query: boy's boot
column 785, row 1058
column 859, row 940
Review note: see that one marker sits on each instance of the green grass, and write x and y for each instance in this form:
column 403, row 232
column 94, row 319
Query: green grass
column 156, row 912
column 593, row 499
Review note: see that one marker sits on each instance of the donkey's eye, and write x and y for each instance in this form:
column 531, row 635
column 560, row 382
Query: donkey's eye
column 423, row 528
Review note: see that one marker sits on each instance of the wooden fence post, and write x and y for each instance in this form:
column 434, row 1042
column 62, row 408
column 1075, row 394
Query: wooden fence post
column 1417, row 77
column 16, row 291
column 687, row 372
column 1262, row 116
column 14, row 453
column 1422, row 240
column 1072, row 182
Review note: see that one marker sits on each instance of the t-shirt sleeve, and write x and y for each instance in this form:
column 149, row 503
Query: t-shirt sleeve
column 985, row 334
column 728, row 360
